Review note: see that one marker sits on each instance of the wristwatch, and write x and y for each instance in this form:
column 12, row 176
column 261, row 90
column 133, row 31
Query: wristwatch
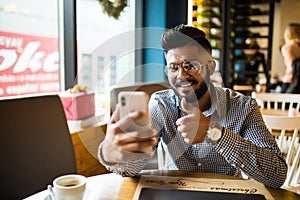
column 214, row 133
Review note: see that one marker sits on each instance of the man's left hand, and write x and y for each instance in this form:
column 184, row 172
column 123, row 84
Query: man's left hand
column 193, row 126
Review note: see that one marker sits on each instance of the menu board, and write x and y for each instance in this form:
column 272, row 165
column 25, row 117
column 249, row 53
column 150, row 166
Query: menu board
column 156, row 187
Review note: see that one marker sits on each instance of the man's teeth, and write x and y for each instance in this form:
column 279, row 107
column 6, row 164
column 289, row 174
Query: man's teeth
column 186, row 85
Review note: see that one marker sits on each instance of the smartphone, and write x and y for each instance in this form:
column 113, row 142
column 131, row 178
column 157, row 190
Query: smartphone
column 131, row 101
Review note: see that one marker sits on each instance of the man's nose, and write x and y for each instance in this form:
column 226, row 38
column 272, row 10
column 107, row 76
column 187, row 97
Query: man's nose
column 182, row 72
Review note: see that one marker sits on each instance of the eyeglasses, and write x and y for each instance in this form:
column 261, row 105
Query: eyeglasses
column 192, row 67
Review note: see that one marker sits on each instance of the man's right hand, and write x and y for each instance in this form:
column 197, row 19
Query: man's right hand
column 120, row 146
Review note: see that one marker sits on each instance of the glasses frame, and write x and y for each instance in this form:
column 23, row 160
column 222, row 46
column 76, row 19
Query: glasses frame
column 197, row 67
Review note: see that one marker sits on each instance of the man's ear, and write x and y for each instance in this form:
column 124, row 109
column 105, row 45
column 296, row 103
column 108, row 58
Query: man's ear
column 211, row 67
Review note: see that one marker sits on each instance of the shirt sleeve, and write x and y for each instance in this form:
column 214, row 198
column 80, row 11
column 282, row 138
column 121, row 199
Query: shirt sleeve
column 129, row 168
column 254, row 151
column 137, row 161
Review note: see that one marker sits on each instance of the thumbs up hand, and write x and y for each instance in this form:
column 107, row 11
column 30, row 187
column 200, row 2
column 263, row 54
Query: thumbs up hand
column 193, row 126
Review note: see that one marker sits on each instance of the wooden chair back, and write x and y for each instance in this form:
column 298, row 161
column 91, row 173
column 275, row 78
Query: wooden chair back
column 288, row 142
column 149, row 88
column 276, row 101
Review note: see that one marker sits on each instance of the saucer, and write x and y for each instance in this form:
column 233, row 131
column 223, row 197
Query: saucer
column 89, row 195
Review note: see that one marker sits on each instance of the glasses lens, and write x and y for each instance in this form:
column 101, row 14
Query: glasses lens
column 187, row 66
column 172, row 69
column 191, row 67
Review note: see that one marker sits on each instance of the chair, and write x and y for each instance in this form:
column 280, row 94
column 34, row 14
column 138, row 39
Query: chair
column 294, row 176
column 36, row 145
column 149, row 88
column 276, row 101
column 288, row 142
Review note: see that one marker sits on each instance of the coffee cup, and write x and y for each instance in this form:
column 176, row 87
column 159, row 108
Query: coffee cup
column 69, row 187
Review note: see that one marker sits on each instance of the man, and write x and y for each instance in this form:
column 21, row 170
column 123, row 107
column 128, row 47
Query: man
column 203, row 128
column 252, row 61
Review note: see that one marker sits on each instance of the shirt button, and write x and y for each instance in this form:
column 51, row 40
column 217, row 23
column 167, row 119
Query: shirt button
column 199, row 164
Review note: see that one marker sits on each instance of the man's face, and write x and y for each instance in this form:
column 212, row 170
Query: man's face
column 192, row 86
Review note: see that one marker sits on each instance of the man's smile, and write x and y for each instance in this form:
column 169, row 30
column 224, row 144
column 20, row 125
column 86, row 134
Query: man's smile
column 186, row 85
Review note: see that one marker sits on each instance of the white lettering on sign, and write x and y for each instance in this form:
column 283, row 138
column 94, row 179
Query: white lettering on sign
column 29, row 77
column 51, row 62
column 29, row 58
column 10, row 41
column 22, row 89
column 9, row 58
column 49, row 87
column 38, row 77
column 7, row 78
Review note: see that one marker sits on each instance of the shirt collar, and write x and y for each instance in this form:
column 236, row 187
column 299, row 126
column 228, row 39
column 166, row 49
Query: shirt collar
column 218, row 109
column 213, row 98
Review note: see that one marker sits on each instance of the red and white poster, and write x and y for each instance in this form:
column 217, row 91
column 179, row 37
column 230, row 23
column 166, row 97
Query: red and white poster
column 28, row 64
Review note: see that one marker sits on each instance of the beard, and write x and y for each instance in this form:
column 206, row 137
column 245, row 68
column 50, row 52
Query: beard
column 198, row 91
column 197, row 94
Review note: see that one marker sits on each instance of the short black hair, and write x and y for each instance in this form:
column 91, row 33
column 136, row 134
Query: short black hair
column 182, row 35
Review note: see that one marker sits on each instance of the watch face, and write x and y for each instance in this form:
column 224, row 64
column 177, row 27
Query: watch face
column 214, row 134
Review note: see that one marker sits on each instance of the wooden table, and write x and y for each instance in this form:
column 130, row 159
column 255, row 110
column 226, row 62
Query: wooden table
column 112, row 186
column 273, row 112
column 85, row 144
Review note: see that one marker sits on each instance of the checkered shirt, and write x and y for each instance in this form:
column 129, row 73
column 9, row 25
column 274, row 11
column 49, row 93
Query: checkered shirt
column 246, row 144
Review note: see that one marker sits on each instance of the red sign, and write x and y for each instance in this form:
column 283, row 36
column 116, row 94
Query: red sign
column 28, row 64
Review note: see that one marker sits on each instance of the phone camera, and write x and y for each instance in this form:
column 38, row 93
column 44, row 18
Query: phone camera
column 123, row 101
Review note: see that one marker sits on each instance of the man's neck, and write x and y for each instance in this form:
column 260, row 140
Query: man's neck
column 204, row 102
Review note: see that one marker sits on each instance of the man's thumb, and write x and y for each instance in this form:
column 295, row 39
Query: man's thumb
column 187, row 107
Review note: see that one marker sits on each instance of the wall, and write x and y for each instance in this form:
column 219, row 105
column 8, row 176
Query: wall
column 285, row 12
column 159, row 15
column 155, row 22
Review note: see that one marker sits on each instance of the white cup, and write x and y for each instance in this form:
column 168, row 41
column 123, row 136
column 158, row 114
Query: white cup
column 69, row 187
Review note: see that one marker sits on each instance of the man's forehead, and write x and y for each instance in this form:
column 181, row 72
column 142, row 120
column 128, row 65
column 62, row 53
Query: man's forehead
column 187, row 53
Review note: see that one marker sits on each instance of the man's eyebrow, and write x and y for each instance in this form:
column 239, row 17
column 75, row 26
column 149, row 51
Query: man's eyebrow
column 183, row 61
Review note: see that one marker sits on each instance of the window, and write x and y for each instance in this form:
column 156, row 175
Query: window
column 29, row 56
column 106, row 49
column 29, row 48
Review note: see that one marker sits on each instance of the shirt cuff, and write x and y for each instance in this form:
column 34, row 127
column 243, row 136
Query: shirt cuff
column 227, row 145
